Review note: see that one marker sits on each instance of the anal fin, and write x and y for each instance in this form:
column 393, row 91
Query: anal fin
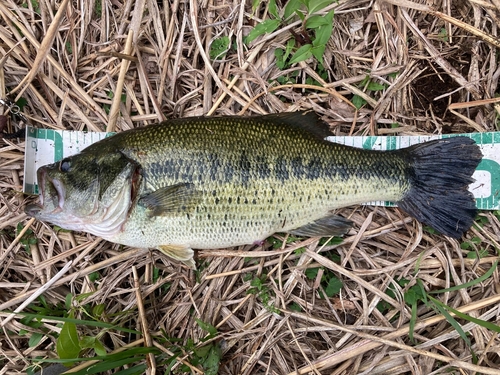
column 332, row 225
column 181, row 253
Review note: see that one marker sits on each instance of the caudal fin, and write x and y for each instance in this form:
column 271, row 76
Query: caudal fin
column 441, row 172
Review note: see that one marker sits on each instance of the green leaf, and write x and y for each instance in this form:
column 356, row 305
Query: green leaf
column 334, row 286
column 206, row 326
column 318, row 53
column 311, row 273
column 470, row 283
column 21, row 103
column 212, row 361
column 273, row 9
column 481, row 253
column 413, row 321
column 315, row 22
column 280, row 61
column 303, row 53
column 67, row 345
column 291, row 7
column 442, row 308
column 68, row 300
column 256, row 283
column 295, row 307
column 35, row 339
column 90, row 323
column 255, row 4
column 301, row 15
column 483, row 323
column 202, row 351
column 98, row 310
column 219, row 47
column 289, row 47
column 267, row 26
column 374, row 86
column 358, row 101
column 323, row 34
column 88, row 342
column 317, row 5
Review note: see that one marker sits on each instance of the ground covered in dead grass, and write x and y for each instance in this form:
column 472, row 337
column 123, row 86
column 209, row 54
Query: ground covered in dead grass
column 301, row 306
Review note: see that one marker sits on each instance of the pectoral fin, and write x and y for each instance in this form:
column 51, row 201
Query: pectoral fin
column 169, row 199
column 332, row 225
column 180, row 253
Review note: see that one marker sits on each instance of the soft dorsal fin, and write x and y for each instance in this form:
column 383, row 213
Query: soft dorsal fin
column 181, row 197
column 307, row 121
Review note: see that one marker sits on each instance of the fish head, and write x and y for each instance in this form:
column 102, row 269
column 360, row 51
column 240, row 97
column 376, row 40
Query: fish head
column 90, row 191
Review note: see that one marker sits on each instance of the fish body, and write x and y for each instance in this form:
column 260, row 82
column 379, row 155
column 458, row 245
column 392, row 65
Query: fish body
column 215, row 182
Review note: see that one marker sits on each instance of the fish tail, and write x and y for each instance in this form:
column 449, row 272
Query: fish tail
column 440, row 172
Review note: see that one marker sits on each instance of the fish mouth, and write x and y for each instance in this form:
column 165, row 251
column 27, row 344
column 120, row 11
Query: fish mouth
column 51, row 195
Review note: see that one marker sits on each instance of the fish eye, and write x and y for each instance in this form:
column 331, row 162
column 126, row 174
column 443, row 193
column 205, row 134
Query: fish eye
column 64, row 165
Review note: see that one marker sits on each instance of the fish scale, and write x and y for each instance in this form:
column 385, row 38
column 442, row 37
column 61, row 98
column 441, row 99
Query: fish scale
column 237, row 164
column 217, row 182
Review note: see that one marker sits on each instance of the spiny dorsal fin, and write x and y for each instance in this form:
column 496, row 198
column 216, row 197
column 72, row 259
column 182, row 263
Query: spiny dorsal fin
column 307, row 121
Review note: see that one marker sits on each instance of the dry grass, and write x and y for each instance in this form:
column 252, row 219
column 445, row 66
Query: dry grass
column 66, row 58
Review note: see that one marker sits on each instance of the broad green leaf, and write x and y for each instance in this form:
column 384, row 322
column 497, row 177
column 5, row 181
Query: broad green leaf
column 89, row 342
column 206, row 326
column 317, row 5
column 67, row 345
column 301, row 15
column 203, row 351
column 291, row 7
column 318, row 53
column 212, row 362
column 219, row 47
column 481, row 253
column 358, row 101
column 273, row 9
column 35, row 339
column 98, row 310
column 303, row 53
column 267, row 26
column 311, row 273
column 323, row 34
column 334, row 286
column 374, row 86
column 315, row 22
column 21, row 103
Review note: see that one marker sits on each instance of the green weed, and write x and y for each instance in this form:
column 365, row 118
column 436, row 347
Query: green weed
column 263, row 292
column 313, row 36
column 330, row 283
column 416, row 295
column 28, row 237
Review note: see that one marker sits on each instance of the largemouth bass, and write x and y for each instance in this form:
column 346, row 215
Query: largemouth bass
column 216, row 182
